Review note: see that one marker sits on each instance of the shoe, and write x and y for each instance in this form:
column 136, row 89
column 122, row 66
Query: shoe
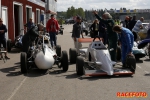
column 6, row 57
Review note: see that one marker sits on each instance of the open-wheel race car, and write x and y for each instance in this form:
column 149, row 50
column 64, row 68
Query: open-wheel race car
column 95, row 60
column 42, row 56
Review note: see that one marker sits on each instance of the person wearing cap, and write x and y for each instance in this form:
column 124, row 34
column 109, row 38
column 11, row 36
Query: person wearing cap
column 52, row 28
column 112, row 36
column 76, row 32
column 3, row 30
column 29, row 24
column 126, row 39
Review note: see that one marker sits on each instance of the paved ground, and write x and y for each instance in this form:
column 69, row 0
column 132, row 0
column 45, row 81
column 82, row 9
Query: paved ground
column 56, row 85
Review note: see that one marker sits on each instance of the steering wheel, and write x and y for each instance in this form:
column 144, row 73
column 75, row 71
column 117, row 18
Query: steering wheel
column 96, row 37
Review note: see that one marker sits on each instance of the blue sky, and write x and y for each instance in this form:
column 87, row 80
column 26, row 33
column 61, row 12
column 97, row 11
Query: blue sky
column 62, row 5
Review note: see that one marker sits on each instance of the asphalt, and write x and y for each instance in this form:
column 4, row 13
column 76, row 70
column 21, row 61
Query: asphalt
column 58, row 85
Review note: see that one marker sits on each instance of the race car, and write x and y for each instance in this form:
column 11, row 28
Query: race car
column 95, row 60
column 43, row 56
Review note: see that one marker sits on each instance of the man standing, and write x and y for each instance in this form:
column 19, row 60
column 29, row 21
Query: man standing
column 76, row 32
column 112, row 36
column 137, row 28
column 29, row 24
column 126, row 39
column 3, row 30
column 52, row 27
column 132, row 23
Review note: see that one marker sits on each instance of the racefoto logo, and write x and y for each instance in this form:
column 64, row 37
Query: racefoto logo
column 132, row 94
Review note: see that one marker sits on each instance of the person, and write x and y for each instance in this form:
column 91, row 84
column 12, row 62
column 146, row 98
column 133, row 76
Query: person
column 52, row 28
column 102, row 32
column 29, row 24
column 148, row 32
column 76, row 32
column 132, row 23
column 95, row 28
column 126, row 22
column 112, row 36
column 3, row 30
column 126, row 39
column 137, row 28
column 31, row 36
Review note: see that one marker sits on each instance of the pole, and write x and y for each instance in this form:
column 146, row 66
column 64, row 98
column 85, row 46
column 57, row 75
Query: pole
column 46, row 9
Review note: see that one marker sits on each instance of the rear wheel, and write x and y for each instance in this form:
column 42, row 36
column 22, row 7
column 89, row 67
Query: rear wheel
column 58, row 50
column 64, row 60
column 23, row 62
column 80, row 66
column 72, row 55
column 131, row 63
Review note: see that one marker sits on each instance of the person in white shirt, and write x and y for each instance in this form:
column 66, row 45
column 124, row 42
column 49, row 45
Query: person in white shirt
column 137, row 28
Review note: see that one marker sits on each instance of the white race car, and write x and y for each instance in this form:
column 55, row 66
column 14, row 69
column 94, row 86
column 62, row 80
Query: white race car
column 42, row 56
column 95, row 60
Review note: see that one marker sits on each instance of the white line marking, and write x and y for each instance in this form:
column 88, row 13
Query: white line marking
column 147, row 72
column 15, row 91
column 138, row 66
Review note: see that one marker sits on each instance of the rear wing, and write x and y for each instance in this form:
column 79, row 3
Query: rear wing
column 87, row 40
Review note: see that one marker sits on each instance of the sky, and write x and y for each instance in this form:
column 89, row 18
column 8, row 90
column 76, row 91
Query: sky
column 63, row 5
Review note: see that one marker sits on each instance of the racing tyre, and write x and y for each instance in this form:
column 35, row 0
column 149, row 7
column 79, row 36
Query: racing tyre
column 58, row 50
column 118, row 53
column 9, row 45
column 80, row 66
column 131, row 63
column 72, row 55
column 64, row 60
column 23, row 62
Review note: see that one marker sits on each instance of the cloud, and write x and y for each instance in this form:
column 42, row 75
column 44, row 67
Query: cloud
column 63, row 5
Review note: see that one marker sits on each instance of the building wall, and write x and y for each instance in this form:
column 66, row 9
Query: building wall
column 9, row 5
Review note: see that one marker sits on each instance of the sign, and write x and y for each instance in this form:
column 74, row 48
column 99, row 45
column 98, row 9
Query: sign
column 38, row 2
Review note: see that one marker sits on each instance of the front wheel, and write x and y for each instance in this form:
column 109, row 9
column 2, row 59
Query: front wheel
column 23, row 59
column 80, row 66
column 64, row 60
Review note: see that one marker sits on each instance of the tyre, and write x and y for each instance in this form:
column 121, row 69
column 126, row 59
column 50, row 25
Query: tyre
column 23, row 62
column 58, row 50
column 80, row 66
column 118, row 53
column 131, row 63
column 72, row 55
column 64, row 60
column 9, row 45
column 149, row 54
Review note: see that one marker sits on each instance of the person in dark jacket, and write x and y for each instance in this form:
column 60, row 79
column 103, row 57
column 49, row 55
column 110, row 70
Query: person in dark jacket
column 95, row 28
column 132, row 23
column 126, row 39
column 76, row 32
column 29, row 24
column 112, row 36
column 31, row 36
column 102, row 32
column 3, row 30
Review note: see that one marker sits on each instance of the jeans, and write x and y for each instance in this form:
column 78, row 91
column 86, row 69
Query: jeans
column 52, row 38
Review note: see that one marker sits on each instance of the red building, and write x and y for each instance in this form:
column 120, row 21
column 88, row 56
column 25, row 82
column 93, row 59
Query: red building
column 16, row 13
